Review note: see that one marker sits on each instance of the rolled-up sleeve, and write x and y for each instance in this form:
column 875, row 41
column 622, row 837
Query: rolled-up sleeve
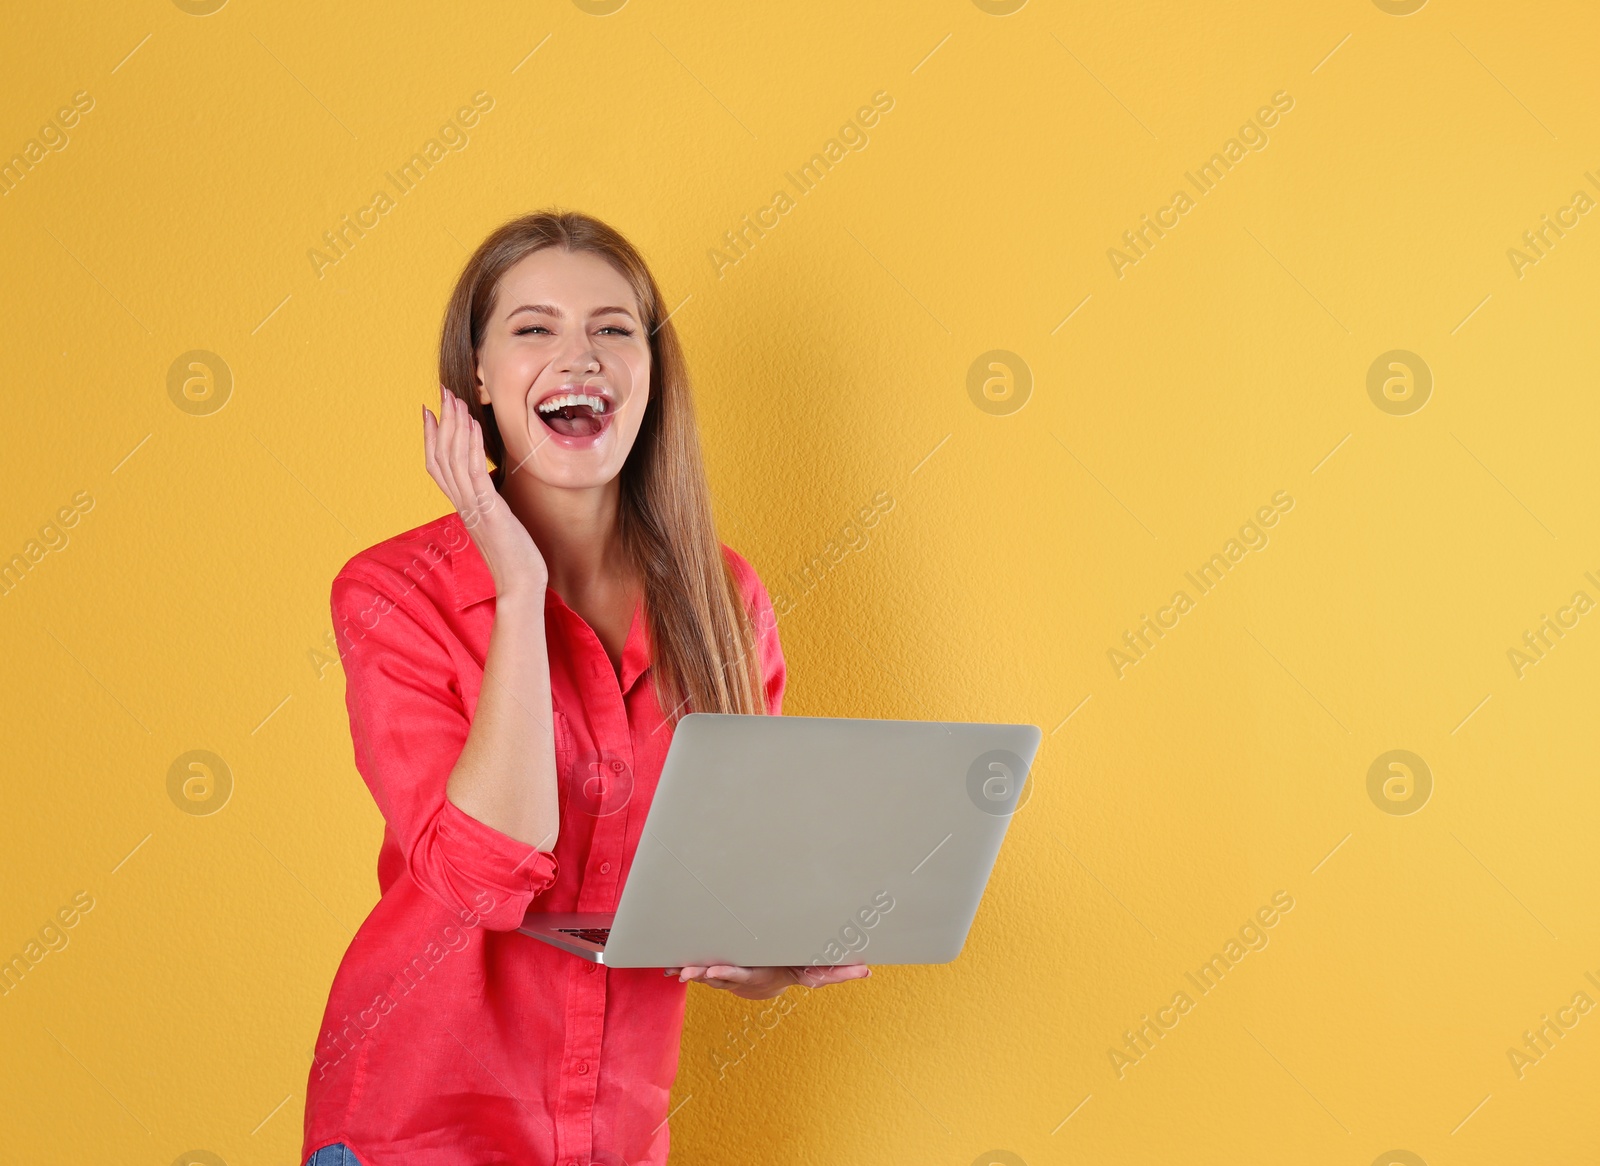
column 408, row 725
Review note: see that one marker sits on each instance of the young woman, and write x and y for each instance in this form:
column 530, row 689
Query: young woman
column 494, row 668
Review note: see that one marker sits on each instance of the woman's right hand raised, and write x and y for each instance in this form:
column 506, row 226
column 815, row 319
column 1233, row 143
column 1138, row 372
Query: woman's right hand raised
column 453, row 450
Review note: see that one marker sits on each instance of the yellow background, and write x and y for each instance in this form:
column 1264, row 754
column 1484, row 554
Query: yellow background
column 190, row 605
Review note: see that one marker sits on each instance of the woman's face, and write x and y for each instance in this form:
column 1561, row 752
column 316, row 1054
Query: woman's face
column 565, row 362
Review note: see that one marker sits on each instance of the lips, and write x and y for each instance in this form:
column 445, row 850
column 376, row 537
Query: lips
column 580, row 413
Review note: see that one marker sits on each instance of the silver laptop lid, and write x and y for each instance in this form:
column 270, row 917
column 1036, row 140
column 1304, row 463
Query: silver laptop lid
column 797, row 840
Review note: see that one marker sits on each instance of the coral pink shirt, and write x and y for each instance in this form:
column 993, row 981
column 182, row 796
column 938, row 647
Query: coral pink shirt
column 450, row 1039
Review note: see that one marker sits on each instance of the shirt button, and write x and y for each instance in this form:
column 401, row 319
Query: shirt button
column 605, row 868
column 583, row 1067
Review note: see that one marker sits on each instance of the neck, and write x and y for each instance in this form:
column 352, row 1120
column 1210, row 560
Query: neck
column 577, row 532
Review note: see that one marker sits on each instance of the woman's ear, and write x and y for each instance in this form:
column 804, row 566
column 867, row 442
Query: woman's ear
column 483, row 393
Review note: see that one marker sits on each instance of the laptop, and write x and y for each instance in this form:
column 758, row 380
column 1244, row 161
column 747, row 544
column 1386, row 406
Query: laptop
column 779, row 841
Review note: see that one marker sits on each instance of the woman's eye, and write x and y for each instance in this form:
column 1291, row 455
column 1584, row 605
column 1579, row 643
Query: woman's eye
column 621, row 331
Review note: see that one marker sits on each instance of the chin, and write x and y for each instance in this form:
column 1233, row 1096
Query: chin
column 561, row 473
column 582, row 481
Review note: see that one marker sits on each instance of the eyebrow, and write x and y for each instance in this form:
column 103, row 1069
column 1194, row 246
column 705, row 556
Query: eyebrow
column 549, row 310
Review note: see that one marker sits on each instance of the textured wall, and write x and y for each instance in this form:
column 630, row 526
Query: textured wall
column 1335, row 360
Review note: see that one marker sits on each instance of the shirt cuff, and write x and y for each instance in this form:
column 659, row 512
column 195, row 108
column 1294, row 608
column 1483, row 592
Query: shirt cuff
column 488, row 873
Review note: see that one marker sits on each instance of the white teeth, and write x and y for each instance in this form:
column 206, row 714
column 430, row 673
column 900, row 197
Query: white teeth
column 598, row 404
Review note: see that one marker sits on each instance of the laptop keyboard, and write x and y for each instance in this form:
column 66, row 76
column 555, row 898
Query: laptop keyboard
column 597, row 935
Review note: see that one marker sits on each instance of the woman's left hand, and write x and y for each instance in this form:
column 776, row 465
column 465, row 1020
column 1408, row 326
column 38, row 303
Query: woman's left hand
column 765, row 983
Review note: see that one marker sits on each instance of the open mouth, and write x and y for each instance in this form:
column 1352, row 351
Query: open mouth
column 580, row 413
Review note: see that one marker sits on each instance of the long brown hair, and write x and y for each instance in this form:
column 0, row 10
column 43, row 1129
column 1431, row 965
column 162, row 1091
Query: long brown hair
column 702, row 641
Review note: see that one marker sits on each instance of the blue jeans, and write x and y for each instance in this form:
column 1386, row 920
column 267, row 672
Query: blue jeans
column 337, row 1154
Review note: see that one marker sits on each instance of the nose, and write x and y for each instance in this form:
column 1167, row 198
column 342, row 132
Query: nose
column 578, row 355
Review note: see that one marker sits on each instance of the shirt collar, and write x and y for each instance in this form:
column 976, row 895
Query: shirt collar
column 636, row 651
column 472, row 583
column 469, row 577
